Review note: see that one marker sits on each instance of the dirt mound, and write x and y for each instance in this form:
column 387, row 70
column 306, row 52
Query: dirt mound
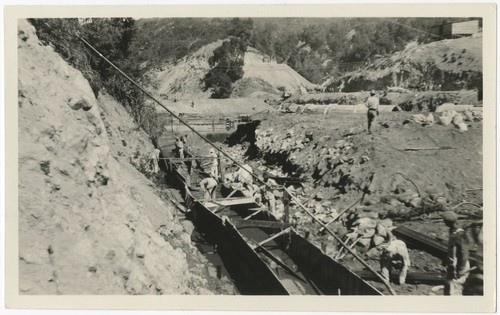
column 452, row 64
column 278, row 75
column 183, row 80
column 88, row 220
column 262, row 77
column 254, row 88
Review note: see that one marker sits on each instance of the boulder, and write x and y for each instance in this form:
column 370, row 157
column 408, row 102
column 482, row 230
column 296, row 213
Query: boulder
column 415, row 202
column 445, row 120
column 369, row 214
column 468, row 115
column 385, row 223
column 377, row 240
column 365, row 242
column 373, row 253
column 381, row 230
column 457, row 119
column 369, row 232
column 430, row 119
column 462, row 126
column 419, row 118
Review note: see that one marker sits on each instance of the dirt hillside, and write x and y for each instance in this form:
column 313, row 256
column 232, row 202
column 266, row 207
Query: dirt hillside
column 262, row 77
column 452, row 64
column 89, row 222
column 260, row 66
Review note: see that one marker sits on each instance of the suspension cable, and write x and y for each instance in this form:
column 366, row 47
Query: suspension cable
column 168, row 110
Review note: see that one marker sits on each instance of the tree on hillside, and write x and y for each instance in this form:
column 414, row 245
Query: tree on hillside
column 111, row 37
column 227, row 67
column 228, row 59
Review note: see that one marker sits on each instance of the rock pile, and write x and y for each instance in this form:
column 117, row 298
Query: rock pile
column 367, row 231
column 459, row 119
column 329, row 161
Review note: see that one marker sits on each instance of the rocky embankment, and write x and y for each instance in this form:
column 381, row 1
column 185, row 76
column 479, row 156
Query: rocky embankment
column 406, row 169
column 89, row 221
column 448, row 65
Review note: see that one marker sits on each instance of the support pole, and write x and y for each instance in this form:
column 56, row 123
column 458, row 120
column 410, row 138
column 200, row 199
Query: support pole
column 286, row 202
column 340, row 214
column 361, row 260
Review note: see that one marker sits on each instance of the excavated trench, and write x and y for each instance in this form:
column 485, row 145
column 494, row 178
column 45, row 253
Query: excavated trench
column 347, row 183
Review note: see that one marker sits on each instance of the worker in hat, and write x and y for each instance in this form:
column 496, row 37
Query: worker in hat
column 268, row 190
column 179, row 147
column 184, row 139
column 372, row 104
column 245, row 174
column 394, row 256
column 155, row 157
column 457, row 260
column 214, row 166
column 208, row 185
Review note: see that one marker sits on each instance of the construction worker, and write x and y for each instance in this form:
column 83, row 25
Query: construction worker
column 268, row 191
column 214, row 166
column 184, row 140
column 209, row 185
column 457, row 260
column 394, row 255
column 245, row 174
column 179, row 147
column 372, row 104
column 155, row 157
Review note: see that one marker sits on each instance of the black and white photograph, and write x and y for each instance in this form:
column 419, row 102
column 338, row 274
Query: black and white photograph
column 247, row 155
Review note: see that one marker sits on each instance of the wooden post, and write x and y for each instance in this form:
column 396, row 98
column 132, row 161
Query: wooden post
column 286, row 203
column 219, row 271
column 213, row 124
column 221, row 168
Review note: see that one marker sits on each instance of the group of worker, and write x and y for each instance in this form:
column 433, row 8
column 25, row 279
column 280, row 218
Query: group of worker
column 395, row 256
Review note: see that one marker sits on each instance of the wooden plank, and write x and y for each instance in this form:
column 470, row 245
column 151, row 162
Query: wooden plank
column 429, row 148
column 228, row 202
column 248, row 217
column 430, row 245
column 187, row 159
column 241, row 223
column 431, row 278
column 274, row 236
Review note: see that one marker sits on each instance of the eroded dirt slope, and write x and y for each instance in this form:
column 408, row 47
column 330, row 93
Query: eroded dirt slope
column 89, row 222
column 262, row 77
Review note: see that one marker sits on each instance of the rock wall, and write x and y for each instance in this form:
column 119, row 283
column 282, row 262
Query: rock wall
column 88, row 220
